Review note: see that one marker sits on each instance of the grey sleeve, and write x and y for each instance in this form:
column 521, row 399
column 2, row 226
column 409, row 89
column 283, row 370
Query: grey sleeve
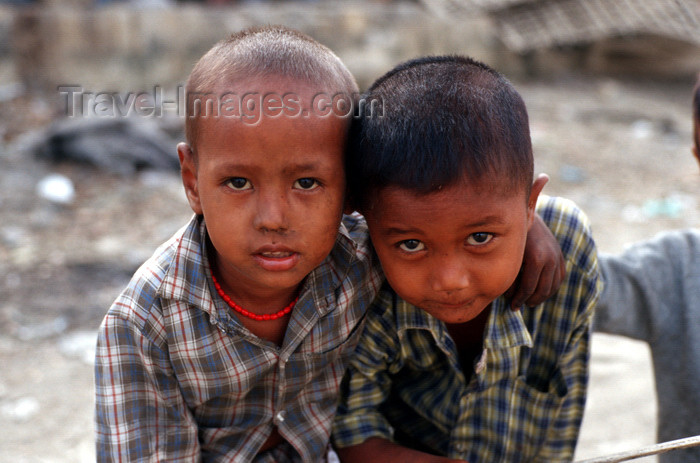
column 647, row 286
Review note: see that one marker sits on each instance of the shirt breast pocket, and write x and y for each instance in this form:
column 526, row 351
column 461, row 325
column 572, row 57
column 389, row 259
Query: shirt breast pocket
column 535, row 412
column 332, row 336
column 339, row 347
column 311, row 369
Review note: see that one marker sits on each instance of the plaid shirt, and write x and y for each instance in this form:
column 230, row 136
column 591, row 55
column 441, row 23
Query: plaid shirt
column 525, row 399
column 179, row 379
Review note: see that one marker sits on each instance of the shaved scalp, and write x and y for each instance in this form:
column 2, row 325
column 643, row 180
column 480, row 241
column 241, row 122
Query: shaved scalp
column 262, row 52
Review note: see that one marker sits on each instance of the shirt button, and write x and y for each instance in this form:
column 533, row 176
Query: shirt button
column 279, row 418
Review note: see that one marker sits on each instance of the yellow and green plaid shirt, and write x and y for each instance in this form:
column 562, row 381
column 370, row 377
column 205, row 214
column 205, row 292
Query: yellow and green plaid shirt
column 525, row 398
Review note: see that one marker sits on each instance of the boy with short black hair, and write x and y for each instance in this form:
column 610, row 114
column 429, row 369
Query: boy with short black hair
column 652, row 293
column 444, row 371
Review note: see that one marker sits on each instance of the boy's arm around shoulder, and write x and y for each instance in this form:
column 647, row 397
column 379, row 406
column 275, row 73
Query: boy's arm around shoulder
column 543, row 268
column 140, row 414
column 649, row 285
column 571, row 228
column 574, row 304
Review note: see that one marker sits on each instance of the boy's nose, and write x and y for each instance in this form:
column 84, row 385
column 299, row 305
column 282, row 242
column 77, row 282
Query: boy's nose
column 450, row 274
column 271, row 213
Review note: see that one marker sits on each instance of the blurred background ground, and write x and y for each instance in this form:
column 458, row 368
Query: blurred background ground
column 615, row 138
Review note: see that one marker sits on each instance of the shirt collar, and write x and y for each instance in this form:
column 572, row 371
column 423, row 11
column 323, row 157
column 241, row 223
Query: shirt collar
column 187, row 278
column 505, row 328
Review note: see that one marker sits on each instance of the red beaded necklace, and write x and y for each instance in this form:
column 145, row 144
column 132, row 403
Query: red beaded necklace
column 244, row 312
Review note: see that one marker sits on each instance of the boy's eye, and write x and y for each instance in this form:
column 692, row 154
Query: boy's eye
column 239, row 183
column 306, row 183
column 480, row 238
column 411, row 246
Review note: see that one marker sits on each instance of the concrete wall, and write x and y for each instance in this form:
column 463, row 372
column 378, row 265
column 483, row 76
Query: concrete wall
column 123, row 48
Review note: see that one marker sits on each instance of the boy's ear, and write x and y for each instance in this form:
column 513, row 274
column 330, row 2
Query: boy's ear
column 188, row 172
column 537, row 187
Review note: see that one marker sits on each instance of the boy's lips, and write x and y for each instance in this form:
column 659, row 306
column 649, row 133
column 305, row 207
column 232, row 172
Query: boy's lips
column 276, row 258
column 452, row 305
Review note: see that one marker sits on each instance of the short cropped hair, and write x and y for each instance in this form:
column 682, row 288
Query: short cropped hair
column 264, row 51
column 432, row 122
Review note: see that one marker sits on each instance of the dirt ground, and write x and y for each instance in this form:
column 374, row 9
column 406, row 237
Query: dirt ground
column 620, row 149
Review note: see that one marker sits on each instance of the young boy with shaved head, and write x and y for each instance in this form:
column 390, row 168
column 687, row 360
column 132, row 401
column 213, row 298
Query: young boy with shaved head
column 230, row 342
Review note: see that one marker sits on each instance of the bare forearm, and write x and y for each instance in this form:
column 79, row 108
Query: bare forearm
column 378, row 449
